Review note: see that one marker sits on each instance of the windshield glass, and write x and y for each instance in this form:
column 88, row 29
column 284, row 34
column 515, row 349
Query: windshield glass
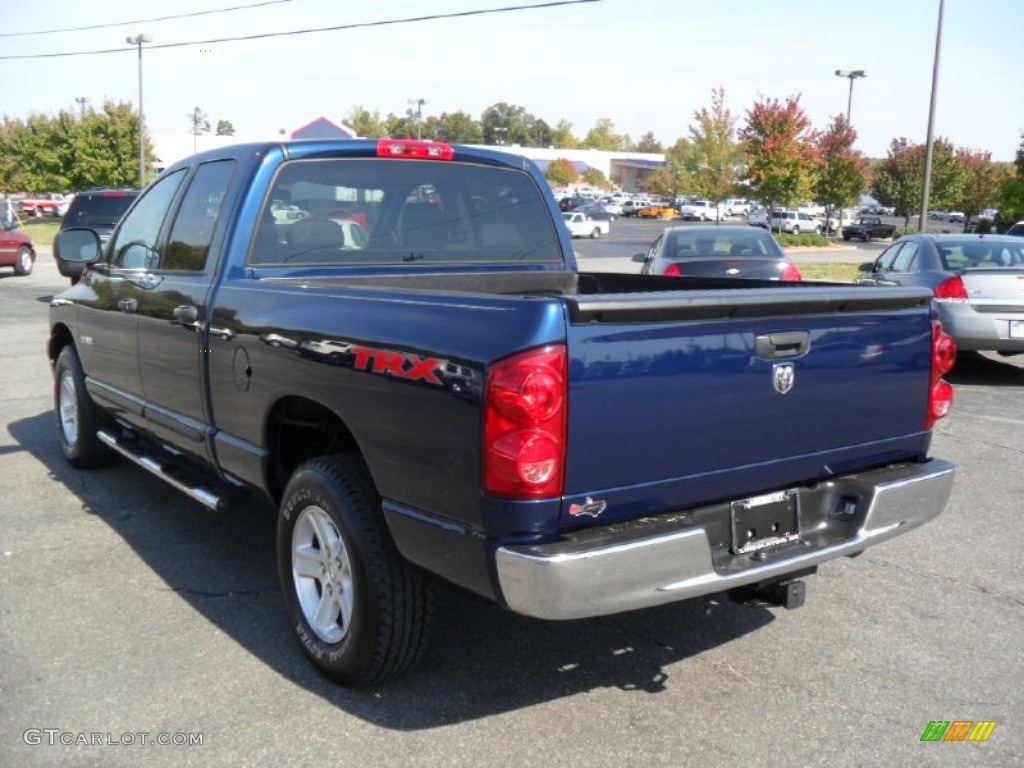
column 404, row 211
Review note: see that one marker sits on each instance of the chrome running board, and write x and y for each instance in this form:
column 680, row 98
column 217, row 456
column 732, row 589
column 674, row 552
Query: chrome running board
column 205, row 497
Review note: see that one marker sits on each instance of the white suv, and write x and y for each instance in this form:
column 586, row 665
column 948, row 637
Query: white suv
column 736, row 206
column 705, row 210
column 796, row 222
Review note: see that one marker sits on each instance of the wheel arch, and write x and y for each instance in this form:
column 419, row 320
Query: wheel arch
column 60, row 337
column 296, row 429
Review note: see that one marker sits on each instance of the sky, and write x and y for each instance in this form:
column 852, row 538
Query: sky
column 646, row 65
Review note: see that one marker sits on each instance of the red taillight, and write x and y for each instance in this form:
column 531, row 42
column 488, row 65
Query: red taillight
column 791, row 274
column 673, row 270
column 525, row 424
column 940, row 391
column 951, row 290
column 412, row 148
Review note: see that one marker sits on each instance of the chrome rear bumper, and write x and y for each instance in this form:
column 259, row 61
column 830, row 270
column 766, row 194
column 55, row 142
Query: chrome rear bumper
column 594, row 574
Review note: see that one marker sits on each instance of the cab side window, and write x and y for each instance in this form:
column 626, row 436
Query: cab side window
column 135, row 246
column 905, row 260
column 884, row 263
column 189, row 245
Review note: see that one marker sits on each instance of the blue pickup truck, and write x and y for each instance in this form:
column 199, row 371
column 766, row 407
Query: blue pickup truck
column 391, row 341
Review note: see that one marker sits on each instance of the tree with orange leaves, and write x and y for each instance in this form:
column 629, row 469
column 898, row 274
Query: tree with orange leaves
column 782, row 159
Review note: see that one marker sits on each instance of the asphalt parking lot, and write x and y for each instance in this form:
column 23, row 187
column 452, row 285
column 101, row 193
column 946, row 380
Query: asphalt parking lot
column 127, row 610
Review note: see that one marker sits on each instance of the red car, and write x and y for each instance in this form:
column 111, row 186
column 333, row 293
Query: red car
column 16, row 249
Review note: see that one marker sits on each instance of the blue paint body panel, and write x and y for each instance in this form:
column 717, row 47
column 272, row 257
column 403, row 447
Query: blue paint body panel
column 671, row 402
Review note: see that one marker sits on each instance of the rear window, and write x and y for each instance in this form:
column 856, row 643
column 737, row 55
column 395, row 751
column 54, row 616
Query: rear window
column 92, row 210
column 350, row 211
column 960, row 255
column 687, row 245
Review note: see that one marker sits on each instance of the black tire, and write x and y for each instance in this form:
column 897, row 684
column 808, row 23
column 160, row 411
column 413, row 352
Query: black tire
column 866, row 238
column 24, row 263
column 817, row 230
column 846, row 238
column 796, row 230
column 78, row 418
column 595, row 234
column 389, row 603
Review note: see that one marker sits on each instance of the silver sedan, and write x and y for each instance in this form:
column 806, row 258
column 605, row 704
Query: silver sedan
column 977, row 280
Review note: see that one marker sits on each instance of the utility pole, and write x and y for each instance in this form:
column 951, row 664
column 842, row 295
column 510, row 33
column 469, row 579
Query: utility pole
column 82, row 101
column 419, row 115
column 922, row 220
column 138, row 40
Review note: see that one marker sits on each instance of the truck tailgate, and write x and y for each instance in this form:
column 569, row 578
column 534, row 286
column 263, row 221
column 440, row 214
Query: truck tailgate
column 678, row 400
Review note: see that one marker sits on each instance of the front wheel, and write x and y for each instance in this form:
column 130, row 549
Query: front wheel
column 78, row 418
column 361, row 612
column 25, row 262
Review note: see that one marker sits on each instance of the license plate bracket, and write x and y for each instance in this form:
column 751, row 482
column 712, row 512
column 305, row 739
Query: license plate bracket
column 765, row 521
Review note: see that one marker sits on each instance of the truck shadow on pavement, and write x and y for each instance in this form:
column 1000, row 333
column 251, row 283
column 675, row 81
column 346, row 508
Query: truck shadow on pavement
column 483, row 660
column 975, row 368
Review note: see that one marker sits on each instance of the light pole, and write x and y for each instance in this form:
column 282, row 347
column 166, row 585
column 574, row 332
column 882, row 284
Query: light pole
column 419, row 114
column 501, row 133
column 851, row 74
column 922, row 219
column 138, row 40
column 82, row 101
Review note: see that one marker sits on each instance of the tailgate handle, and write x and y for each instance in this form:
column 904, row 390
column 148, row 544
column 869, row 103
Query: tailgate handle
column 772, row 346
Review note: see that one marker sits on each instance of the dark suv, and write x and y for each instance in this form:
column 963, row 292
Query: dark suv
column 97, row 209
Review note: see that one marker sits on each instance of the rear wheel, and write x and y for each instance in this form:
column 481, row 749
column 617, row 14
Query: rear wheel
column 23, row 266
column 596, row 233
column 796, row 230
column 361, row 612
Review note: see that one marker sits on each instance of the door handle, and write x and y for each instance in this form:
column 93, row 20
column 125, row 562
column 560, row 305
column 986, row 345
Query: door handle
column 772, row 346
column 186, row 316
column 128, row 305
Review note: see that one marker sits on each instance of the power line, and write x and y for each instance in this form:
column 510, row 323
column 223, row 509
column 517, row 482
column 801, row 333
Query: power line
column 144, row 21
column 339, row 27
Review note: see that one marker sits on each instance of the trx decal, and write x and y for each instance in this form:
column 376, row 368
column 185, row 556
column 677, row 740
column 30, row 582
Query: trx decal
column 402, row 365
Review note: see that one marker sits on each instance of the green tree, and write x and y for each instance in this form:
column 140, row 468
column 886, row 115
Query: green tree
column 782, row 160
column 844, row 170
column 225, row 128
column 401, row 127
column 603, row 136
column 649, row 144
column 982, row 184
column 68, row 152
column 507, row 124
column 365, row 123
column 107, row 148
column 1011, row 193
column 899, row 182
column 199, row 124
column 562, row 136
column 716, row 158
column 674, row 179
column 561, row 172
column 596, row 178
column 458, row 128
